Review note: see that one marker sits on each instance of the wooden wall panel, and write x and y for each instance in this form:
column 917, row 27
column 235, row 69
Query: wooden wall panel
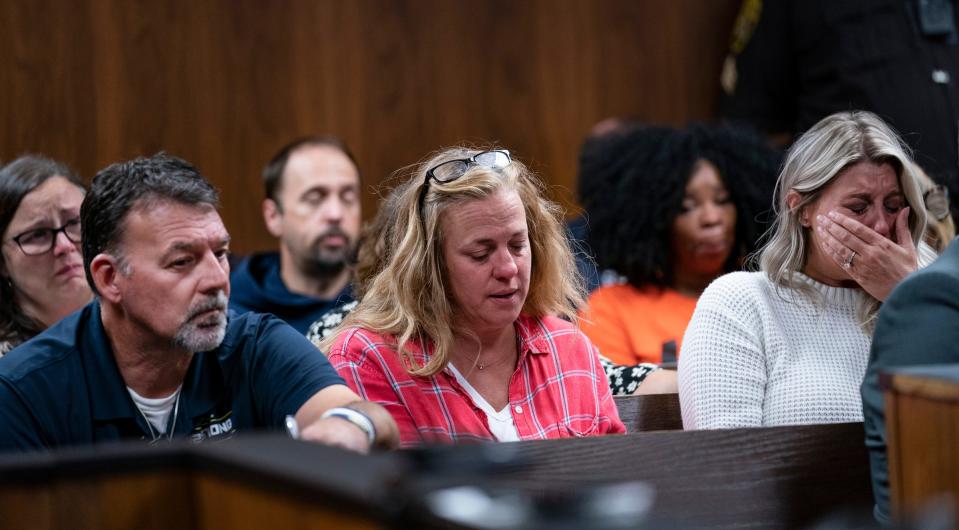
column 224, row 83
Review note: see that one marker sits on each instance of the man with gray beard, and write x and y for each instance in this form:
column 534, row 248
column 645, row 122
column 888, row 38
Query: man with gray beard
column 312, row 206
column 156, row 355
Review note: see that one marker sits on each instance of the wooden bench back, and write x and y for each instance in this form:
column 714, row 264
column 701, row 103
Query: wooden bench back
column 773, row 477
column 654, row 412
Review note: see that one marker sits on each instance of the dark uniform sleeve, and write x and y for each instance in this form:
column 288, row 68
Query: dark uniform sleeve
column 760, row 78
column 19, row 430
column 918, row 325
column 287, row 370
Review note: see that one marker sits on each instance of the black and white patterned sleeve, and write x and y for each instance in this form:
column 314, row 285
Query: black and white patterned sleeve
column 625, row 379
column 328, row 322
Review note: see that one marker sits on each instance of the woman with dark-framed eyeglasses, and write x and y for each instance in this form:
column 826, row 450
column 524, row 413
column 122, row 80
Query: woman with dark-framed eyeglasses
column 459, row 335
column 41, row 269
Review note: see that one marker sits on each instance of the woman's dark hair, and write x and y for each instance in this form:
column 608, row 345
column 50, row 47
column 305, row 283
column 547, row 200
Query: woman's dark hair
column 632, row 184
column 17, row 179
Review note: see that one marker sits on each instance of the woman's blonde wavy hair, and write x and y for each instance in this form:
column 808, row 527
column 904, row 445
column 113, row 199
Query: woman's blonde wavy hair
column 818, row 156
column 408, row 297
column 939, row 232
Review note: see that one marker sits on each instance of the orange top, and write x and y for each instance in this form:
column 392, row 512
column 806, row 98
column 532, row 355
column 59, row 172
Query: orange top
column 631, row 326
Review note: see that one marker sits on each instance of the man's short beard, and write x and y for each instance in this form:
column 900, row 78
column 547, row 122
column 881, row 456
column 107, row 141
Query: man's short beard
column 323, row 263
column 199, row 335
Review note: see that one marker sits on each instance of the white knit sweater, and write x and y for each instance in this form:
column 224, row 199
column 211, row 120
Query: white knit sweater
column 754, row 356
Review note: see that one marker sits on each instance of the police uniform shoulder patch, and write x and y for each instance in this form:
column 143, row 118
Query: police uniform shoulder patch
column 743, row 29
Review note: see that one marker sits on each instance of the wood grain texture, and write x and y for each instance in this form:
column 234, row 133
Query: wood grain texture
column 653, row 412
column 227, row 504
column 922, row 437
column 225, row 83
column 148, row 501
column 781, row 477
column 26, row 507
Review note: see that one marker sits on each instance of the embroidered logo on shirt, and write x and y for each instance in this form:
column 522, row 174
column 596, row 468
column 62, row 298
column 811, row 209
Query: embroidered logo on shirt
column 218, row 428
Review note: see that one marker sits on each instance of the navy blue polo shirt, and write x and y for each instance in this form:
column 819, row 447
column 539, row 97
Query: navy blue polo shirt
column 63, row 386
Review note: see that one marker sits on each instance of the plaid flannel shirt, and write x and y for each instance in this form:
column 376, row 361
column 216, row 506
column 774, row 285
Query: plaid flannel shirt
column 558, row 390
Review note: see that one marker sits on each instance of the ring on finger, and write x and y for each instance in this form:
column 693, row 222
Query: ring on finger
column 848, row 263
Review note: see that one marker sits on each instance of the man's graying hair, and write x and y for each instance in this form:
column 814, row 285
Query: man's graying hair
column 120, row 187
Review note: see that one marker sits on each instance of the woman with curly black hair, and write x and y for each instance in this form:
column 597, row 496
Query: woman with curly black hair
column 669, row 210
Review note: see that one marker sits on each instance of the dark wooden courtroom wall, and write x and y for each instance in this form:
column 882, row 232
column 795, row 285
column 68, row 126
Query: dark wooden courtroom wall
column 225, row 83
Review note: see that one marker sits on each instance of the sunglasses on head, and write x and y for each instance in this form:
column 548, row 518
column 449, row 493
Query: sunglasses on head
column 451, row 170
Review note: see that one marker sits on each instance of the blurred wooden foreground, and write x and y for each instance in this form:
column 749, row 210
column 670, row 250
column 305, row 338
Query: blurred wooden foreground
column 785, row 477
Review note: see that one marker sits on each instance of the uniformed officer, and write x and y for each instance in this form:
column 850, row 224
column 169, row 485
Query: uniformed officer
column 794, row 62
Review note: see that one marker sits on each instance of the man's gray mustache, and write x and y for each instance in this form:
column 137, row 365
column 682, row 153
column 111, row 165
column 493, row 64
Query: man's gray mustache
column 218, row 302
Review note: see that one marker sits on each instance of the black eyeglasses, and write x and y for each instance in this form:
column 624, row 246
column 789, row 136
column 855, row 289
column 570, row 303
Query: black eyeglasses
column 42, row 240
column 936, row 200
column 451, row 170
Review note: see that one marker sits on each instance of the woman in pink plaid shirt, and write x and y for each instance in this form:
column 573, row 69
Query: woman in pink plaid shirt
column 459, row 335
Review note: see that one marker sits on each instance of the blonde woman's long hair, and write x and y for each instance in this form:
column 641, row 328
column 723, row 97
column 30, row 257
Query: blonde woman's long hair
column 939, row 232
column 819, row 156
column 408, row 299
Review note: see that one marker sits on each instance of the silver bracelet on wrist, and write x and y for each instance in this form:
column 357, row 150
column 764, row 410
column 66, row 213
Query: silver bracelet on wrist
column 356, row 418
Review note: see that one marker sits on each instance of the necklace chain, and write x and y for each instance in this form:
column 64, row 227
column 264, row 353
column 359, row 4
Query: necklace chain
column 156, row 436
column 482, row 366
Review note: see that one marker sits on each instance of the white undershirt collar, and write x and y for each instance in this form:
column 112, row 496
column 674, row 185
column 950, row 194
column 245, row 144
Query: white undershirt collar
column 500, row 422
